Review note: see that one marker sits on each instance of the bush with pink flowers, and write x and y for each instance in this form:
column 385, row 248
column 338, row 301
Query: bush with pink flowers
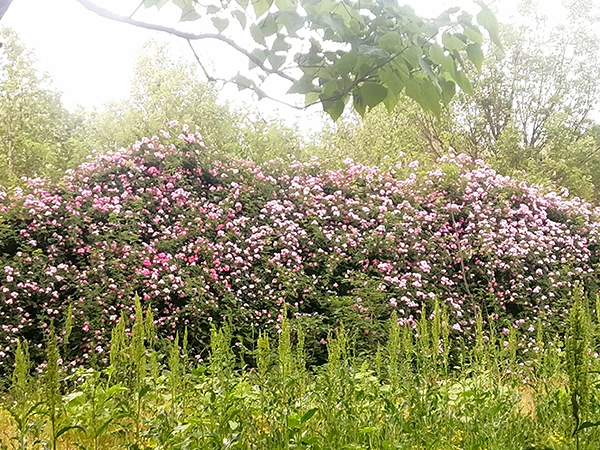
column 202, row 237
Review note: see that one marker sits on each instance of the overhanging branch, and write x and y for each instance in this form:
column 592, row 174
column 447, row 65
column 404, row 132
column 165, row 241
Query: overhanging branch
column 4, row 4
column 189, row 36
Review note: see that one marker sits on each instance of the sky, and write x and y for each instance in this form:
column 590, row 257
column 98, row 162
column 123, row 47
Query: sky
column 90, row 58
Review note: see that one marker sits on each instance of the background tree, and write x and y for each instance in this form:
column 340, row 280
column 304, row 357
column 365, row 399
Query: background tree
column 531, row 114
column 34, row 126
column 164, row 89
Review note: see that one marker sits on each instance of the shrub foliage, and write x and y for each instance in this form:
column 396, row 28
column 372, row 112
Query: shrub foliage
column 202, row 237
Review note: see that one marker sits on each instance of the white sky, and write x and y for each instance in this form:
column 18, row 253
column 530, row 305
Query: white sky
column 91, row 58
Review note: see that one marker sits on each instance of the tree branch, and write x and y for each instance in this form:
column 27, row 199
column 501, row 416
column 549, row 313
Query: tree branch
column 4, row 4
column 189, row 36
column 212, row 79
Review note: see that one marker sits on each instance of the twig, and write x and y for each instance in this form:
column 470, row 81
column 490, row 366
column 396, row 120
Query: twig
column 182, row 34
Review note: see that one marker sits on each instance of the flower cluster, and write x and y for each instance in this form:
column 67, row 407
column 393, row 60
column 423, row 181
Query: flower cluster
column 201, row 237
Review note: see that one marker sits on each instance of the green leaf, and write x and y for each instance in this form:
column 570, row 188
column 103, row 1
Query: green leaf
column 257, row 34
column 448, row 90
column 390, row 41
column 473, row 34
column 280, row 44
column 436, row 54
column 293, row 421
column 451, row 42
column 308, row 415
column 428, row 97
column 475, row 54
column 189, row 14
column 412, row 55
column 220, row 23
column 268, row 25
column 241, row 17
column 346, row 63
column 391, row 101
column 259, row 54
column 392, row 80
column 333, row 108
column 373, row 93
column 587, row 424
column 261, row 7
column 359, row 103
column 243, row 3
column 63, row 430
column 212, row 9
column 242, row 82
column 463, row 81
column 283, row 5
column 303, row 86
column 311, row 98
column 276, row 60
column 487, row 20
column 158, row 3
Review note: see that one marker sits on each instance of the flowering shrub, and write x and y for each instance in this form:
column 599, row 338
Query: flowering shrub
column 202, row 237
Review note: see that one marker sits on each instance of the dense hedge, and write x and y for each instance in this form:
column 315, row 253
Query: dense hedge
column 200, row 236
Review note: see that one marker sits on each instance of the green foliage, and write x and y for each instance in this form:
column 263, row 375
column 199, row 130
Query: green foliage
column 578, row 364
column 38, row 136
column 345, row 404
column 350, row 54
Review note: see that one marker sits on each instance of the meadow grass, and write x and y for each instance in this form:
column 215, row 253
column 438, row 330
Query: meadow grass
column 410, row 394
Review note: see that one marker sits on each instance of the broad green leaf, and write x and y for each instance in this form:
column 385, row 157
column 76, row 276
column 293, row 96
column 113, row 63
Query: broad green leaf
column 390, row 41
column 257, row 34
column 436, row 54
column 258, row 53
column 242, row 82
column 243, row 3
column 448, row 90
column 183, row 3
column 473, row 34
column 475, row 54
column 241, row 17
column 359, row 103
column 158, row 3
column 220, row 23
column 311, row 98
column 333, row 108
column 276, row 60
column 280, row 44
column 347, row 62
column 303, row 86
column 291, row 20
column 425, row 66
column 293, row 421
column 189, row 14
column 283, row 5
column 261, row 7
column 427, row 96
column 487, row 20
column 373, row 93
column 463, row 81
column 412, row 55
column 390, row 101
column 392, row 79
column 446, row 14
column 268, row 25
column 451, row 42
column 212, row 9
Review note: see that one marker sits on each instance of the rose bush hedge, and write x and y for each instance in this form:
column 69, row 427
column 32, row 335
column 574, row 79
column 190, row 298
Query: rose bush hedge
column 202, row 237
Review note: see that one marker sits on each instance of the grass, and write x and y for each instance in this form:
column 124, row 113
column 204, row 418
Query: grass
column 405, row 396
